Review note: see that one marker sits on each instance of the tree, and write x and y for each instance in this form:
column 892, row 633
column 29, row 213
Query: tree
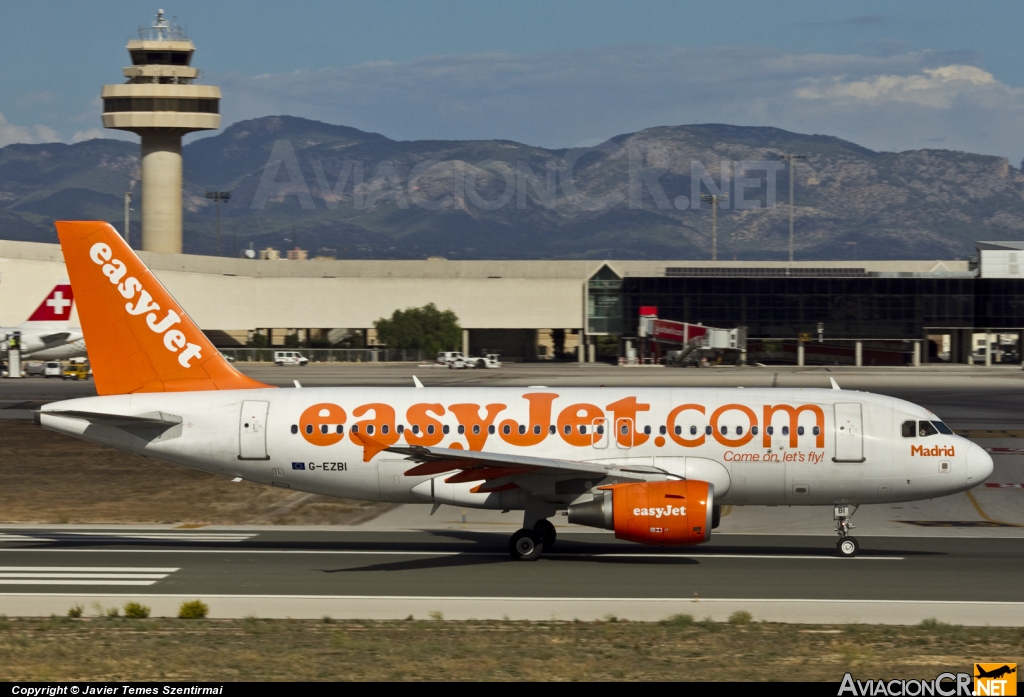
column 424, row 328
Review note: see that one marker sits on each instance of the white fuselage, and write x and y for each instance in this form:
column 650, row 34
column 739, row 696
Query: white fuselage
column 46, row 340
column 824, row 447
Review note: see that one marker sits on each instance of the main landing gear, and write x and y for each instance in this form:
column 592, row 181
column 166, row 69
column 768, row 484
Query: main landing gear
column 528, row 544
column 847, row 546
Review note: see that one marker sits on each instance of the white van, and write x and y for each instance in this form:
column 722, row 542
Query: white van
column 52, row 369
column 289, row 358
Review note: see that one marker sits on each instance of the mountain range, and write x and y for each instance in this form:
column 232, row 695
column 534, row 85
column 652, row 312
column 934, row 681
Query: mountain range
column 339, row 191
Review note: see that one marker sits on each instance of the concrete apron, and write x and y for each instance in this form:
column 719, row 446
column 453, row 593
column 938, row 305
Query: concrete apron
column 796, row 611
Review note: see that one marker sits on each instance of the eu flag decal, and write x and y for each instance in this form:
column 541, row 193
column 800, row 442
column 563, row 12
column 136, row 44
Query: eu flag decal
column 298, row 465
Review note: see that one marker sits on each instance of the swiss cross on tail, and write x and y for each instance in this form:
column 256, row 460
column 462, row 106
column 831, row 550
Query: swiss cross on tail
column 57, row 306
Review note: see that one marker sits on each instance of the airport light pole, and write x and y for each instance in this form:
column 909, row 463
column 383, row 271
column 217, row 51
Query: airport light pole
column 791, row 159
column 218, row 197
column 127, row 218
column 713, row 199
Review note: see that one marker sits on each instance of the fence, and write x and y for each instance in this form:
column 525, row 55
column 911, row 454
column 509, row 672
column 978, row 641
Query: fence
column 382, row 355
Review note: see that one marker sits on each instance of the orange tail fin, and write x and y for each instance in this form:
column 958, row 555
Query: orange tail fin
column 138, row 338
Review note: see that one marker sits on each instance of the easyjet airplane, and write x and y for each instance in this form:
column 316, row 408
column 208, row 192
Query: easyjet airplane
column 46, row 334
column 654, row 465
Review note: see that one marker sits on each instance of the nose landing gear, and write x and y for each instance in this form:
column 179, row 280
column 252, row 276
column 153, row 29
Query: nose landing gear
column 847, row 545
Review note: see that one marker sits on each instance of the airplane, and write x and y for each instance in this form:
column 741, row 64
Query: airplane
column 654, row 465
column 46, row 335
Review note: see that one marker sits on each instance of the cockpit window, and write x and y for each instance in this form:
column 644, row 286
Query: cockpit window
column 943, row 428
column 925, row 428
column 908, row 428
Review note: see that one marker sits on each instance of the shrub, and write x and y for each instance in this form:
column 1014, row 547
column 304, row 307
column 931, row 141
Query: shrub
column 678, row 621
column 193, row 610
column 113, row 612
column 75, row 610
column 136, row 611
column 741, row 617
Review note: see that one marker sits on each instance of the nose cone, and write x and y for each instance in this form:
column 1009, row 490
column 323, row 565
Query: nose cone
column 979, row 465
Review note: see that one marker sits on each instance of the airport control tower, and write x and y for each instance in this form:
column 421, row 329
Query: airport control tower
column 160, row 103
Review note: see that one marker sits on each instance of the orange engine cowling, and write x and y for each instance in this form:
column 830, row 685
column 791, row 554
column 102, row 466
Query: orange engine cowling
column 677, row 512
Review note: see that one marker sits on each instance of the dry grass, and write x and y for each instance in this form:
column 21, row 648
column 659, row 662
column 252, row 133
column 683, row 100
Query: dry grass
column 252, row 649
column 52, row 478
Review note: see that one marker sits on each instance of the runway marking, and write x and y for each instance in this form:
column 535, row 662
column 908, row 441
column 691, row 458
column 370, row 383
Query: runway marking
column 702, row 555
column 190, row 536
column 82, row 575
column 983, row 514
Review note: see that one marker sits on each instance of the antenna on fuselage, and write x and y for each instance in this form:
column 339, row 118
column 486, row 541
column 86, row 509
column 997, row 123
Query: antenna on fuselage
column 416, row 381
column 835, row 385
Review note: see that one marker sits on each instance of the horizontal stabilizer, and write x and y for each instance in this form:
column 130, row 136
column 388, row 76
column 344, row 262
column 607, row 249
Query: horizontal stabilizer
column 156, row 418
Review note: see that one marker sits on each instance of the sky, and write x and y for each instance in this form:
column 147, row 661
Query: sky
column 888, row 76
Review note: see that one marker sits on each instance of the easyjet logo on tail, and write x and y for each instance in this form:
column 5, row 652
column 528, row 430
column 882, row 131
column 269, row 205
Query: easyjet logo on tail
column 140, row 302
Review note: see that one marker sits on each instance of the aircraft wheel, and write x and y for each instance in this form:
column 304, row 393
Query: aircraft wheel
column 848, row 547
column 546, row 531
column 526, row 545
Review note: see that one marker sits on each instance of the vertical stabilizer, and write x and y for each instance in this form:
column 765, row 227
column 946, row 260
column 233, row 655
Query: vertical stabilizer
column 57, row 305
column 139, row 339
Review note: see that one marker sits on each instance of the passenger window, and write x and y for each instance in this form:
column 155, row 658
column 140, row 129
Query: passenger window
column 384, row 429
column 816, row 431
column 707, row 430
column 309, row 428
column 567, row 429
column 739, row 430
column 583, row 430
column 476, row 430
column 799, row 430
column 770, row 430
column 445, row 429
column 506, row 429
column 522, row 429
column 724, row 430
column 339, row 429
column 323, row 428
column 536, row 430
column 462, row 429
column 943, row 428
column 355, row 428
column 295, row 429
column 693, row 430
column 785, row 430
column 753, row 430
column 662, row 430
column 401, row 428
column 552, row 430
column 600, row 430
column 624, row 430
column 925, row 428
column 907, row 429
column 647, row 430
column 369, row 430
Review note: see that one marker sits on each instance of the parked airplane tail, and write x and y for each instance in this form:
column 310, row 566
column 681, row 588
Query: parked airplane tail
column 56, row 307
column 139, row 339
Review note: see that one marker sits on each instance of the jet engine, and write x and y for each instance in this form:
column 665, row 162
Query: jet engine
column 676, row 512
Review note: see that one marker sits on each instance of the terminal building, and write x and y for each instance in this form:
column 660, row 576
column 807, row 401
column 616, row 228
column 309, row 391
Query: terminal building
column 589, row 310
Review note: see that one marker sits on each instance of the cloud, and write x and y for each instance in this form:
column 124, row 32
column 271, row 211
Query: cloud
column 885, row 102
column 10, row 133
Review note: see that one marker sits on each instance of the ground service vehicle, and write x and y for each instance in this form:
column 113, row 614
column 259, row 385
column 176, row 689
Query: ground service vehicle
column 287, row 358
column 446, row 357
column 52, row 369
column 652, row 464
column 76, row 371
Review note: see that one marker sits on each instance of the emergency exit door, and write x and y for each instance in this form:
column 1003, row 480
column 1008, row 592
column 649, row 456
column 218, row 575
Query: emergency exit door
column 849, row 433
column 252, row 431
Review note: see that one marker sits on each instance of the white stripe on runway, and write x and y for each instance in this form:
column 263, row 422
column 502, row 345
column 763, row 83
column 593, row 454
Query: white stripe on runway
column 71, row 582
column 83, row 575
column 765, row 557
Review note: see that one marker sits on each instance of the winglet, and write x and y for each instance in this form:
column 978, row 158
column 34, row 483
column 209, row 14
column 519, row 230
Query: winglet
column 416, row 381
column 835, row 385
column 139, row 338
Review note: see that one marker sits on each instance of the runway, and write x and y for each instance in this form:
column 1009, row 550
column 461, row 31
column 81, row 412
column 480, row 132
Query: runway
column 957, row 559
column 391, row 575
